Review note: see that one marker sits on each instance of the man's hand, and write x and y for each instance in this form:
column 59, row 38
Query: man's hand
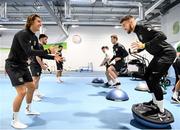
column 137, row 45
column 44, row 66
column 58, row 58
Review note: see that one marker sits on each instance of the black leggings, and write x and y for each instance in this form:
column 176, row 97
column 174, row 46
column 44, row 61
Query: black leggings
column 176, row 66
column 153, row 74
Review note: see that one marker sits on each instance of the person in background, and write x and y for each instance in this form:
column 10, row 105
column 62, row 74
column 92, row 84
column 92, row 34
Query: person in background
column 105, row 62
column 176, row 65
column 119, row 54
column 59, row 65
column 37, row 65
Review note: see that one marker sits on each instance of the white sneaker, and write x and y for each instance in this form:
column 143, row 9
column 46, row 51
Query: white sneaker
column 36, row 98
column 39, row 94
column 18, row 125
column 28, row 112
column 59, row 81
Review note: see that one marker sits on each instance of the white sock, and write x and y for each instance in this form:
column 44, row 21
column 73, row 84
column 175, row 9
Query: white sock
column 160, row 105
column 115, row 80
column 28, row 107
column 175, row 95
column 154, row 98
column 109, row 82
column 15, row 116
column 35, row 92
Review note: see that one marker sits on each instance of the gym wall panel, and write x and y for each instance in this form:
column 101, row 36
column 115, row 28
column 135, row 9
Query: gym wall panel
column 77, row 55
column 171, row 27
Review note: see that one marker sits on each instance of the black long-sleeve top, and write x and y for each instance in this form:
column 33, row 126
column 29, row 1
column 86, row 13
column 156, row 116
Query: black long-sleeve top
column 154, row 41
column 23, row 47
column 119, row 51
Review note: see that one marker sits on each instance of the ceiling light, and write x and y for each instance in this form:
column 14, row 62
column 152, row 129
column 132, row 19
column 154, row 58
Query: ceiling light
column 75, row 26
column 116, row 26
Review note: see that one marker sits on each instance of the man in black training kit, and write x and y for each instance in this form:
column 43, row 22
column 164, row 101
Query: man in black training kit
column 17, row 68
column 164, row 54
column 59, row 65
column 119, row 54
column 37, row 64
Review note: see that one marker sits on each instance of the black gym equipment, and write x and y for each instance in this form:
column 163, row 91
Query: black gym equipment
column 141, row 63
column 98, row 81
column 153, row 120
column 124, row 71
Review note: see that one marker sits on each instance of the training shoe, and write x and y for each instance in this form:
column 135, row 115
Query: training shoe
column 59, row 81
column 107, row 85
column 150, row 103
column 28, row 112
column 117, row 84
column 175, row 100
column 36, row 98
column 40, row 95
column 161, row 114
column 18, row 125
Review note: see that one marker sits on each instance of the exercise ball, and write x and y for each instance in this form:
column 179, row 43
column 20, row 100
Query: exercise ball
column 117, row 95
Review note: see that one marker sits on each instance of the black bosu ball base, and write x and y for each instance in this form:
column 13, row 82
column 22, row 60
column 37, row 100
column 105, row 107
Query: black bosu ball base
column 152, row 121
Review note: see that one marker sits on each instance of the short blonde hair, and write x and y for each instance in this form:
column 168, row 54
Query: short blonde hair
column 114, row 36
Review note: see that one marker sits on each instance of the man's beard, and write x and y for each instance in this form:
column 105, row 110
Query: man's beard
column 130, row 29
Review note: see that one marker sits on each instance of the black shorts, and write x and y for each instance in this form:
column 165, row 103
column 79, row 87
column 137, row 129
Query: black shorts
column 35, row 70
column 59, row 65
column 176, row 66
column 18, row 74
column 118, row 65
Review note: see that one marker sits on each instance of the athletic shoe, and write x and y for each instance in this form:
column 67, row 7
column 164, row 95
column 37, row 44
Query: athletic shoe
column 151, row 112
column 150, row 103
column 18, row 124
column 175, row 100
column 36, row 98
column 40, row 95
column 107, row 85
column 60, row 81
column 117, row 84
column 161, row 114
column 28, row 112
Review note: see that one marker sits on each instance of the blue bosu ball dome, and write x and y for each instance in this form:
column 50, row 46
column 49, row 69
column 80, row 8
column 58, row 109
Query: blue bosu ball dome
column 117, row 95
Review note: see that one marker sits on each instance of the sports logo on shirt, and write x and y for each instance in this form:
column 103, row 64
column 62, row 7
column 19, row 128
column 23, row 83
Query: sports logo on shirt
column 149, row 29
column 140, row 37
column 34, row 43
column 20, row 79
column 38, row 73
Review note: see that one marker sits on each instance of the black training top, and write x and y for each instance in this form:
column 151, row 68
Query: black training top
column 119, row 51
column 33, row 58
column 60, row 54
column 23, row 47
column 154, row 41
